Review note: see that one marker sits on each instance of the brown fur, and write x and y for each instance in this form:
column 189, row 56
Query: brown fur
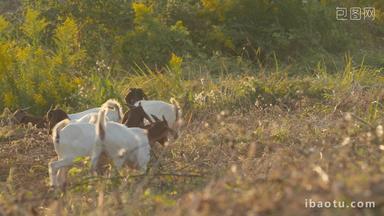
column 55, row 116
column 134, row 95
column 22, row 117
column 135, row 117
column 158, row 131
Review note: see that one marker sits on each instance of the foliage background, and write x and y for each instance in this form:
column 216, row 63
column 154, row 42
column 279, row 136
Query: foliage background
column 56, row 52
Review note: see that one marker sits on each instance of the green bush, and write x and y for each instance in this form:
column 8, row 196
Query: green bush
column 34, row 75
column 100, row 22
column 147, row 32
column 286, row 28
column 151, row 42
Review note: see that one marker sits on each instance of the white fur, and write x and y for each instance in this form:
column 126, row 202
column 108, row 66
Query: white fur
column 71, row 140
column 79, row 115
column 114, row 113
column 92, row 117
column 122, row 144
column 159, row 109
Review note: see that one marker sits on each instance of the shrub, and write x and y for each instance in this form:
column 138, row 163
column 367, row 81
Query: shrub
column 151, row 43
column 257, row 28
column 34, row 75
column 101, row 22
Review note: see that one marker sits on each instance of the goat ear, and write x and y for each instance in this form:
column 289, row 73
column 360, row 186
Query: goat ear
column 155, row 118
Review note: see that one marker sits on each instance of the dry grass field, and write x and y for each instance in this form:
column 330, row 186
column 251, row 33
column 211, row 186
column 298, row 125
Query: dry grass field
column 263, row 160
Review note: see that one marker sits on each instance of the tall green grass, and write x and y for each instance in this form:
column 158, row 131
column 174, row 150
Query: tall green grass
column 264, row 87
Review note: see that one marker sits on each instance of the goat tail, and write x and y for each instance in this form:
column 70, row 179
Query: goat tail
column 56, row 130
column 100, row 124
column 177, row 108
column 114, row 105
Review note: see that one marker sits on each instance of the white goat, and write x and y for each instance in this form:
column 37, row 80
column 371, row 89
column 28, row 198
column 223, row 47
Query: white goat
column 122, row 144
column 71, row 140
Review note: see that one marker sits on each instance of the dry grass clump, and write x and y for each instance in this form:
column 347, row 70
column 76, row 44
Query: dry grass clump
column 331, row 161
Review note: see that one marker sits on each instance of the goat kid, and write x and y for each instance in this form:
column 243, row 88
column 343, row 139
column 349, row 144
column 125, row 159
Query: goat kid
column 126, row 145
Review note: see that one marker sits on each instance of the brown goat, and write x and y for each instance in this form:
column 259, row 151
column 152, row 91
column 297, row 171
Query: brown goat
column 55, row 116
column 135, row 117
column 22, row 117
